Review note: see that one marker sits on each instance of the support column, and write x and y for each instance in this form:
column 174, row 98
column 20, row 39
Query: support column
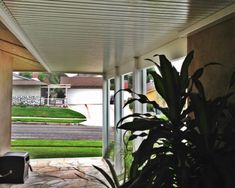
column 106, row 116
column 5, row 101
column 48, row 95
column 66, row 96
column 139, row 82
column 118, row 114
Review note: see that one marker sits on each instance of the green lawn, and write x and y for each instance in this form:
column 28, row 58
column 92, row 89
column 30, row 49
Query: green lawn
column 41, row 111
column 59, row 148
column 47, row 120
column 58, row 143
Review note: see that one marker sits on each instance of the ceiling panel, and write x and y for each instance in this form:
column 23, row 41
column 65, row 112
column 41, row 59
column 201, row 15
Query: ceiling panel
column 81, row 36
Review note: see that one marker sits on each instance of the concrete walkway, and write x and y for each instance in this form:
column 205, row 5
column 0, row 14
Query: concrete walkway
column 60, row 173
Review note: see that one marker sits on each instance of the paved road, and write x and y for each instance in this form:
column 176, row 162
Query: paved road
column 20, row 131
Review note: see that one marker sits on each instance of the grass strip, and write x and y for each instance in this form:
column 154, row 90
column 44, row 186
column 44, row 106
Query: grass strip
column 43, row 111
column 57, row 143
column 59, row 152
column 48, row 120
column 58, row 148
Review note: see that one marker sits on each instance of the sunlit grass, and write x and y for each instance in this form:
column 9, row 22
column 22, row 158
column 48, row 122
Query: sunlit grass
column 59, row 148
column 42, row 111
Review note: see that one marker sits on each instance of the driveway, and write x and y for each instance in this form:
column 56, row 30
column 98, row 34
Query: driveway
column 56, row 132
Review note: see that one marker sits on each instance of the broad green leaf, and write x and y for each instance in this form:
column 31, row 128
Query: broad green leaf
column 200, row 88
column 197, row 74
column 158, row 84
column 134, row 136
column 199, row 108
column 170, row 86
column 141, row 124
column 142, row 154
column 147, row 59
column 146, row 115
column 184, row 77
column 127, row 90
column 129, row 101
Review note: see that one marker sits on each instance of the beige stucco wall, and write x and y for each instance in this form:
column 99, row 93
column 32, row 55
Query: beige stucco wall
column 5, row 101
column 215, row 44
column 26, row 91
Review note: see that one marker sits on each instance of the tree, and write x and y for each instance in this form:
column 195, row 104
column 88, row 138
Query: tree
column 53, row 78
column 26, row 74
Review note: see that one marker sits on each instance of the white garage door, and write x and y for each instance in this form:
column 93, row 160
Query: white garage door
column 84, row 96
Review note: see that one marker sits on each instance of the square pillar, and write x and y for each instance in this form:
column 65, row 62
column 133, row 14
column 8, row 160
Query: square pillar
column 5, row 101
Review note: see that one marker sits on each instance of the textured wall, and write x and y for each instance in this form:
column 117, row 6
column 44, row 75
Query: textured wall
column 215, row 44
column 26, row 91
column 28, row 95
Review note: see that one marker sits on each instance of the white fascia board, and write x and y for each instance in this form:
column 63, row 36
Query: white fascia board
column 173, row 50
column 9, row 21
column 213, row 19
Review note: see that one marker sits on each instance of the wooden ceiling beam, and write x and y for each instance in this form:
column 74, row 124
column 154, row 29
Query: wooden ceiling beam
column 6, row 35
column 15, row 50
column 23, row 60
column 24, row 65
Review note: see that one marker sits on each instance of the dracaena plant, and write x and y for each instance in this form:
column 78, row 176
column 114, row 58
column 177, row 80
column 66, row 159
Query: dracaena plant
column 192, row 145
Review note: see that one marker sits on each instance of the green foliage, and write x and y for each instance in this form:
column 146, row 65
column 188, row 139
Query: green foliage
column 42, row 76
column 190, row 146
column 149, row 77
column 53, row 78
column 60, row 93
column 26, row 74
column 129, row 78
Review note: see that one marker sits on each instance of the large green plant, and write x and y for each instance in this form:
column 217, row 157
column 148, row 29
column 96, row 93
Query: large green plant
column 193, row 145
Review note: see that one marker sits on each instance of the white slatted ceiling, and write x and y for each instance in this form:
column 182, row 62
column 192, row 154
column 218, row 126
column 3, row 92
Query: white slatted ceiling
column 79, row 36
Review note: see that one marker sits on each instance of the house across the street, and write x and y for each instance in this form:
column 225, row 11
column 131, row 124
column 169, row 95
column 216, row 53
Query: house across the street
column 26, row 91
column 84, row 89
column 85, row 96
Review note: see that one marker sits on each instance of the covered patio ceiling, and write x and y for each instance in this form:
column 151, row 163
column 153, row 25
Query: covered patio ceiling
column 90, row 36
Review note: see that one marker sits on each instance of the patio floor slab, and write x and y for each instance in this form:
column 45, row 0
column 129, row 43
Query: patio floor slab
column 60, row 173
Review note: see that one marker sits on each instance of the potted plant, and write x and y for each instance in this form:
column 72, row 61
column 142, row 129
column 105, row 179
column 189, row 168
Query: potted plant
column 191, row 145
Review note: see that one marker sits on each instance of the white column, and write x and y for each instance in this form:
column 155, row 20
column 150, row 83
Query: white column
column 5, row 101
column 144, row 87
column 139, row 86
column 66, row 95
column 106, row 115
column 118, row 114
column 48, row 95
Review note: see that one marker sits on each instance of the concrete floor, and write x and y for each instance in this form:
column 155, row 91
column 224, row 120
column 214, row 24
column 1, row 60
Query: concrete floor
column 60, row 173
